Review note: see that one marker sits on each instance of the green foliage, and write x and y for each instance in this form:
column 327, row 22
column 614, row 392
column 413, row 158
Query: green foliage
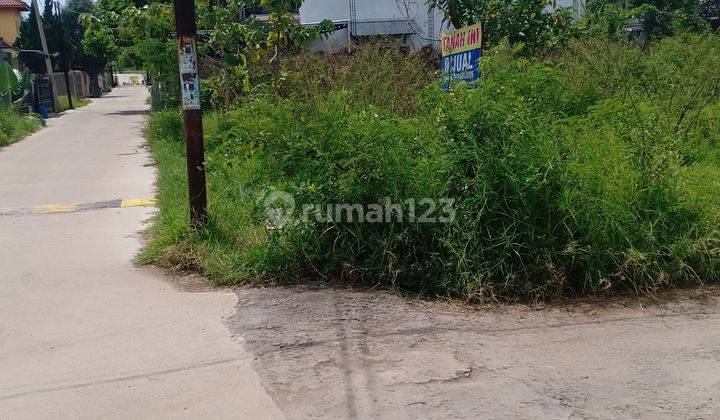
column 236, row 47
column 657, row 17
column 461, row 12
column 9, row 84
column 145, row 34
column 63, row 33
column 23, row 88
column 100, row 40
column 14, row 126
column 142, row 37
column 610, row 19
column 593, row 170
column 29, row 37
column 532, row 24
column 65, row 103
column 378, row 74
column 672, row 17
column 73, row 32
column 710, row 11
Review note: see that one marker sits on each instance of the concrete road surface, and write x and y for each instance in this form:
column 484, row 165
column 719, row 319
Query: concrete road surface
column 84, row 333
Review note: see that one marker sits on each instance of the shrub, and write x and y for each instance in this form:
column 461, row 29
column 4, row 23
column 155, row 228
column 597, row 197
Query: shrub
column 378, row 74
column 578, row 174
column 14, row 126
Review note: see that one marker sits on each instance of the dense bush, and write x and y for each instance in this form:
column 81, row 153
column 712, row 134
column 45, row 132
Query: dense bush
column 13, row 126
column 595, row 169
column 380, row 74
column 530, row 25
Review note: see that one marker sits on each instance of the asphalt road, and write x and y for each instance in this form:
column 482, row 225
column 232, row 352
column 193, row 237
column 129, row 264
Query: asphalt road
column 83, row 332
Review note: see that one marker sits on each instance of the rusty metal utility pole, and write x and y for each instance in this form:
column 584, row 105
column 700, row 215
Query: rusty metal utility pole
column 192, row 112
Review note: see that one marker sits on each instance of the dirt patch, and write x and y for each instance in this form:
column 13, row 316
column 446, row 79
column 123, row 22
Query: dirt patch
column 184, row 282
column 344, row 353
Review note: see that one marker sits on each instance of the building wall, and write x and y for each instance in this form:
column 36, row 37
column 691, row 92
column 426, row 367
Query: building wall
column 315, row 11
column 333, row 42
column 9, row 24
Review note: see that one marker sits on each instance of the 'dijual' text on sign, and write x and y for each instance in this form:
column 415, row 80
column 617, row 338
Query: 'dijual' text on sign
column 461, row 52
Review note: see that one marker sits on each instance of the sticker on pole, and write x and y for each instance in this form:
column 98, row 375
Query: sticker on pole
column 189, row 77
column 461, row 52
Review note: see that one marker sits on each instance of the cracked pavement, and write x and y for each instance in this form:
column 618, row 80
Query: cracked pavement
column 351, row 354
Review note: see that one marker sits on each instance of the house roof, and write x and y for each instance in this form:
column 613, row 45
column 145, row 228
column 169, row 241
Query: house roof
column 383, row 27
column 4, row 45
column 14, row 4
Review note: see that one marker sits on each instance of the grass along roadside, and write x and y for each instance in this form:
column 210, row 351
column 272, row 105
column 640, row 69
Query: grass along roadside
column 77, row 103
column 14, row 126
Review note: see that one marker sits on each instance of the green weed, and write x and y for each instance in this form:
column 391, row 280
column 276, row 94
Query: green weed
column 77, row 103
column 14, row 126
column 594, row 170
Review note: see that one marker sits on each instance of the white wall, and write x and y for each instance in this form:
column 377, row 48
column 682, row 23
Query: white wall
column 125, row 79
column 313, row 11
column 332, row 43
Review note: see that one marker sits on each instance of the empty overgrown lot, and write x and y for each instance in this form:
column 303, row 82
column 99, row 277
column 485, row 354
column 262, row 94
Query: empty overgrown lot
column 595, row 169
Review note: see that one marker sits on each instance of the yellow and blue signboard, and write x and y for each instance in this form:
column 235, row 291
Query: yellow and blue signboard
column 461, row 52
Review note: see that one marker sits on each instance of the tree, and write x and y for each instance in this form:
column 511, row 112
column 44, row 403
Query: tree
column 99, row 46
column 53, row 32
column 29, row 38
column 144, row 36
column 8, row 83
column 710, row 10
column 137, row 35
column 236, row 47
column 522, row 22
column 48, row 10
column 74, row 32
column 458, row 12
column 658, row 17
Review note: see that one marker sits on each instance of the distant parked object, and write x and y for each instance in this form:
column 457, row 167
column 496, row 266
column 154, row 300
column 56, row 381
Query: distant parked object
column 130, row 79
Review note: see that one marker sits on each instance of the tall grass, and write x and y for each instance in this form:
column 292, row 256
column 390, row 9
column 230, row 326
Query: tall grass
column 593, row 170
column 14, row 126
column 64, row 102
column 378, row 74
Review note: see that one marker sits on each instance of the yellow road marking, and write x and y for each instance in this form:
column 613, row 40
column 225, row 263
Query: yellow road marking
column 70, row 208
column 138, row 202
column 57, row 208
